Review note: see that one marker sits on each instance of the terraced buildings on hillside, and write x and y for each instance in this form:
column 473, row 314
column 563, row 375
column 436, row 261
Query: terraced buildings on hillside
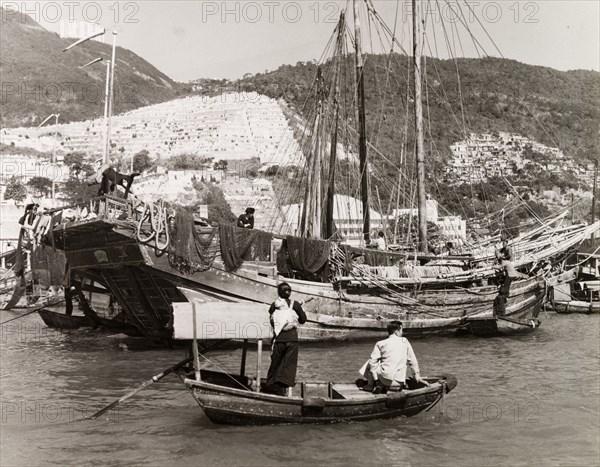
column 232, row 126
column 486, row 155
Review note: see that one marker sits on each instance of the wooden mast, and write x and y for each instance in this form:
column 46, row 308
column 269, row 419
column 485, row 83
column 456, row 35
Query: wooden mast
column 108, row 109
column 421, row 197
column 329, row 225
column 362, row 127
column 310, row 220
column 594, row 195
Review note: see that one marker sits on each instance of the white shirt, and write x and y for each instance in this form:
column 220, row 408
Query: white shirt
column 380, row 242
column 391, row 356
column 284, row 317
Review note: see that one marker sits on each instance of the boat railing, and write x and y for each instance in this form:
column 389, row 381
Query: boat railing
column 98, row 208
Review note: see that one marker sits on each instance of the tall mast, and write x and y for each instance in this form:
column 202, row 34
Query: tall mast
column 113, row 63
column 329, row 226
column 594, row 194
column 362, row 127
column 310, row 220
column 421, row 197
column 106, row 124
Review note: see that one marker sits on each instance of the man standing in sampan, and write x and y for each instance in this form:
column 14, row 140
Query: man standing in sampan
column 284, row 350
column 388, row 362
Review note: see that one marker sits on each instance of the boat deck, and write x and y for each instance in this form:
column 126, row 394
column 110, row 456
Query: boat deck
column 350, row 391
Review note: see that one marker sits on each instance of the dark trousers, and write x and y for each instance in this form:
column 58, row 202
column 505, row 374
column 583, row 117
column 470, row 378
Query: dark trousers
column 284, row 363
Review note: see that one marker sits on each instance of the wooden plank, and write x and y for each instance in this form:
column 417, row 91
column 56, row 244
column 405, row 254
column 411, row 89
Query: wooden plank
column 222, row 320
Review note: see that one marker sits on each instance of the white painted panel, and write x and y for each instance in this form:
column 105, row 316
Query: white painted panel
column 222, row 320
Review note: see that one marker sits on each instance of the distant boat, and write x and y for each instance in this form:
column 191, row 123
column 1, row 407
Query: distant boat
column 59, row 320
column 581, row 295
column 577, row 297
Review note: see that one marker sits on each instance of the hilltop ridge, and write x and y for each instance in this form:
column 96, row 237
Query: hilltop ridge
column 38, row 79
column 556, row 108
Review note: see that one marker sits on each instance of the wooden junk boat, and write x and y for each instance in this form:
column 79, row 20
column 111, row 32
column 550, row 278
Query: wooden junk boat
column 352, row 303
column 147, row 254
column 236, row 400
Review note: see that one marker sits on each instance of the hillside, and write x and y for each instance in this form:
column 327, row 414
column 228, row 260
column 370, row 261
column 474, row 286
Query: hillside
column 555, row 108
column 38, row 79
column 226, row 127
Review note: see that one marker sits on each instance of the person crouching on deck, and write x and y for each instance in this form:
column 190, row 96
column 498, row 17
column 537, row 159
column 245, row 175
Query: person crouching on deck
column 109, row 178
column 246, row 220
column 386, row 367
column 286, row 315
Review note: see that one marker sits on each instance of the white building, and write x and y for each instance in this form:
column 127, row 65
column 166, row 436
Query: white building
column 79, row 30
column 347, row 216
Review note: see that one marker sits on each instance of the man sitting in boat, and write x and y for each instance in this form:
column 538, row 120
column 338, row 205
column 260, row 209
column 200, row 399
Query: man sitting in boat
column 286, row 315
column 246, row 220
column 386, row 367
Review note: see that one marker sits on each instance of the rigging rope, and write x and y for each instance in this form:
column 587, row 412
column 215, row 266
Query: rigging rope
column 158, row 217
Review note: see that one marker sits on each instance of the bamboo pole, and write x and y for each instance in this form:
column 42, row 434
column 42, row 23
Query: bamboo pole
column 244, row 353
column 195, row 345
column 258, row 364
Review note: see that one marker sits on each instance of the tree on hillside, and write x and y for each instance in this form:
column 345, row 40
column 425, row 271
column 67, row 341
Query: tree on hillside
column 40, row 184
column 188, row 162
column 220, row 165
column 77, row 191
column 75, row 161
column 15, row 190
column 142, row 161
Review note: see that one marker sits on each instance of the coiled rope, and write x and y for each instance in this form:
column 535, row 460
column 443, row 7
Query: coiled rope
column 157, row 216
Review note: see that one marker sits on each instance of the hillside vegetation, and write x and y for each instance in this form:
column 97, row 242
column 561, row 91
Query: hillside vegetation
column 553, row 107
column 38, row 79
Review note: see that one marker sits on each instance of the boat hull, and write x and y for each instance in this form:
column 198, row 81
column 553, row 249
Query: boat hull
column 337, row 313
column 344, row 403
column 144, row 281
column 57, row 320
column 576, row 306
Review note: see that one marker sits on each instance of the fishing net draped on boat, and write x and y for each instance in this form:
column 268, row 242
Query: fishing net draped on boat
column 191, row 251
column 307, row 255
column 383, row 258
column 49, row 266
column 239, row 245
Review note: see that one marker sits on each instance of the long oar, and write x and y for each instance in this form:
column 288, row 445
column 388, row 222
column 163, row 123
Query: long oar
column 142, row 386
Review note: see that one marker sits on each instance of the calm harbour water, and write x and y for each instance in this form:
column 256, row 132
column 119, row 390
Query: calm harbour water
column 526, row 400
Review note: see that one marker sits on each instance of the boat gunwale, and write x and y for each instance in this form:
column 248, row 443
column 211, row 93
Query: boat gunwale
column 192, row 384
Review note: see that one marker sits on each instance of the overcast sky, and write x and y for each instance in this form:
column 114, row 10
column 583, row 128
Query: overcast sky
column 225, row 39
